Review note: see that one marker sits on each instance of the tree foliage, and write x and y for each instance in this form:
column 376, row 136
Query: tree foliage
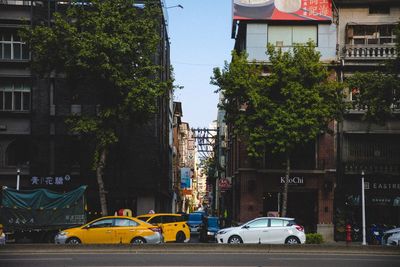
column 287, row 107
column 290, row 105
column 376, row 93
column 106, row 52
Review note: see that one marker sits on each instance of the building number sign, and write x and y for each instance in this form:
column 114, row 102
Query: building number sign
column 50, row 180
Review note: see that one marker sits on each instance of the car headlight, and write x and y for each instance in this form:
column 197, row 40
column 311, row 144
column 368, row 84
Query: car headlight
column 63, row 233
column 221, row 232
column 210, row 233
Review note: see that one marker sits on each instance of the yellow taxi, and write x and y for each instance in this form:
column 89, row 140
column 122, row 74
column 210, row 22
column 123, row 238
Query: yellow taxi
column 111, row 230
column 174, row 227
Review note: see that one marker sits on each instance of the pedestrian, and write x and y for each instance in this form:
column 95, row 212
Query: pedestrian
column 2, row 236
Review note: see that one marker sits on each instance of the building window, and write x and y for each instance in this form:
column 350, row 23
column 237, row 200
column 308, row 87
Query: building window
column 379, row 9
column 290, row 35
column 12, row 47
column 371, row 34
column 15, row 96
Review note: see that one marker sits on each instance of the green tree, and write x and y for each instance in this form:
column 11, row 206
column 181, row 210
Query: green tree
column 105, row 50
column 290, row 106
column 374, row 92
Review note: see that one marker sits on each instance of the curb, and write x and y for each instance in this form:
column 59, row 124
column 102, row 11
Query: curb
column 199, row 248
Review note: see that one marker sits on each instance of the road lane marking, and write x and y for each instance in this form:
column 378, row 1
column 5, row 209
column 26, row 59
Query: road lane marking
column 36, row 259
column 326, row 259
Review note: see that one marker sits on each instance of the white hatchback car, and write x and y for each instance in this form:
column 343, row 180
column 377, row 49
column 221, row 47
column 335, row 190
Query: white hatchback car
column 264, row 230
column 391, row 237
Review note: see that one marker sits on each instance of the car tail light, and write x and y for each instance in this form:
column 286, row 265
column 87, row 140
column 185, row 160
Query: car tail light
column 299, row 228
column 156, row 229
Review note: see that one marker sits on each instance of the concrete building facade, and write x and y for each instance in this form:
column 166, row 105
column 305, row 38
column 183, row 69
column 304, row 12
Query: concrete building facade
column 34, row 137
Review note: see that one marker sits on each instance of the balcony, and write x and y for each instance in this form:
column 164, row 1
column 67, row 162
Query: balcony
column 369, row 52
column 356, row 167
column 15, row 2
column 357, row 108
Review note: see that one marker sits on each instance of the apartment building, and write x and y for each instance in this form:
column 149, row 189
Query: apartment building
column 366, row 41
column 34, row 140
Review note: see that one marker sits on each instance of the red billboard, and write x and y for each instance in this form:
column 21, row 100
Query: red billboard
column 318, row 10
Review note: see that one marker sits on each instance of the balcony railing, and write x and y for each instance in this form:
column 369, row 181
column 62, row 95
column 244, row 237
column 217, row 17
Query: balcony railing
column 365, row 52
column 16, row 2
column 371, row 167
column 355, row 107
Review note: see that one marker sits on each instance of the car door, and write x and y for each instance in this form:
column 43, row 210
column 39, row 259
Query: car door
column 254, row 231
column 170, row 226
column 125, row 230
column 99, row 232
column 276, row 232
column 157, row 220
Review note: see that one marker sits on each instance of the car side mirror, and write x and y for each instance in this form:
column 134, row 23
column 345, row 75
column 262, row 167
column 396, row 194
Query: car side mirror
column 245, row 227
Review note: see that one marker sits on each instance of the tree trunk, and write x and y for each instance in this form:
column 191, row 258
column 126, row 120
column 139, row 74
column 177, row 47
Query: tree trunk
column 100, row 182
column 286, row 186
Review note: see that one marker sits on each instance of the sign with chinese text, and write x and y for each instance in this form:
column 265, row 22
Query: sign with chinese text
column 50, row 180
column 185, row 178
column 28, row 209
column 224, row 184
column 315, row 10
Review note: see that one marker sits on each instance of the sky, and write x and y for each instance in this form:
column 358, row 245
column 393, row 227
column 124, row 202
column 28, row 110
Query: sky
column 200, row 39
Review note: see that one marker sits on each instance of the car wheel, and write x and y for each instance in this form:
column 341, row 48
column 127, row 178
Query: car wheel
column 180, row 237
column 235, row 239
column 73, row 240
column 138, row 241
column 292, row 240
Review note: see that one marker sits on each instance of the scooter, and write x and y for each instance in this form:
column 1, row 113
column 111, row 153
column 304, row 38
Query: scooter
column 374, row 235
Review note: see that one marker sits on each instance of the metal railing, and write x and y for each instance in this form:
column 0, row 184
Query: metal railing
column 355, row 107
column 17, row 2
column 369, row 52
column 370, row 167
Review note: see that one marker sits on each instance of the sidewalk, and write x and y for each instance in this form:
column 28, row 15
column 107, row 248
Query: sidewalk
column 328, row 248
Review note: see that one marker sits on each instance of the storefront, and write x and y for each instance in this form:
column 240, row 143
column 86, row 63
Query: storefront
column 310, row 198
column 382, row 202
column 302, row 205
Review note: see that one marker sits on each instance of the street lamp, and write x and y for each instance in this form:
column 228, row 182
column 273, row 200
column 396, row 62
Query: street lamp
column 18, row 172
column 180, row 6
column 363, row 207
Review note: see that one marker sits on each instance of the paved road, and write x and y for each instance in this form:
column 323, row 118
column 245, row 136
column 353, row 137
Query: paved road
column 197, row 255
column 89, row 259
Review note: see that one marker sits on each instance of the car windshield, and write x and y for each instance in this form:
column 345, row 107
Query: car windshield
column 143, row 218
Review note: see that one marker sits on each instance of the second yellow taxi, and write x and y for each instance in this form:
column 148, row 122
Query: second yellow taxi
column 174, row 227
